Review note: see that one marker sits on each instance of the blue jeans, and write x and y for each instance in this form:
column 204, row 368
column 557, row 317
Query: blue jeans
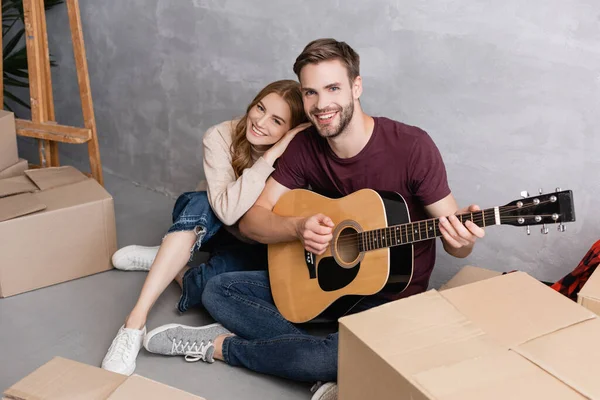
column 192, row 212
column 266, row 342
column 227, row 255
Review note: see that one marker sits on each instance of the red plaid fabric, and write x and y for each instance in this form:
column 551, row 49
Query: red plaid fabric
column 572, row 283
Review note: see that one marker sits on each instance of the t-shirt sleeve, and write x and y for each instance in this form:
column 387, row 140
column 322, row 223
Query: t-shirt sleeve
column 290, row 167
column 428, row 177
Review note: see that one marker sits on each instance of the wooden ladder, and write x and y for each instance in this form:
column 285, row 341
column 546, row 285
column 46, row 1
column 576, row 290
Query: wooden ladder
column 42, row 125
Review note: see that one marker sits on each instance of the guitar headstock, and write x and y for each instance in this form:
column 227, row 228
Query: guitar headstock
column 549, row 208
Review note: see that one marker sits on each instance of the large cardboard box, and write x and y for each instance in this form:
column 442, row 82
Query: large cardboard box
column 507, row 337
column 61, row 378
column 56, row 224
column 14, row 170
column 589, row 295
column 8, row 140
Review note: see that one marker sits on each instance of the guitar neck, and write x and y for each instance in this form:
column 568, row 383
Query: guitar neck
column 412, row 232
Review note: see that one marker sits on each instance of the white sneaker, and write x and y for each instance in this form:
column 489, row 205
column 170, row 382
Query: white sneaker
column 134, row 258
column 325, row 391
column 123, row 351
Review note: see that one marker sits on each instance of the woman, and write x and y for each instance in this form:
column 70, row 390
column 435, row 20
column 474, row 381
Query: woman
column 238, row 158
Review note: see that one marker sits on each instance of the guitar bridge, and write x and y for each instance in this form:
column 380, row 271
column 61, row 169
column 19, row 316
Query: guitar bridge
column 309, row 257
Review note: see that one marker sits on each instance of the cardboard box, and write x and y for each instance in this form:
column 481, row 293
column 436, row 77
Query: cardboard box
column 507, row 337
column 61, row 378
column 469, row 274
column 8, row 140
column 15, row 170
column 56, row 225
column 589, row 295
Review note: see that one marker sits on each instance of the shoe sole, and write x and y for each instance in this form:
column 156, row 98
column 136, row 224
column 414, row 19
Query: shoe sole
column 127, row 372
column 130, row 268
column 163, row 328
column 328, row 391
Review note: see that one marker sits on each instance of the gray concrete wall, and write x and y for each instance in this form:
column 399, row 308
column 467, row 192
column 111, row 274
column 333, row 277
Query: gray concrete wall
column 510, row 92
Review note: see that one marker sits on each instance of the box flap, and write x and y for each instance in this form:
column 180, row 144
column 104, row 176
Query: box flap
column 138, row 387
column 48, row 178
column 469, row 274
column 499, row 376
column 84, row 192
column 16, row 185
column 571, row 354
column 65, row 379
column 15, row 169
column 16, row 206
column 591, row 289
column 428, row 330
column 515, row 307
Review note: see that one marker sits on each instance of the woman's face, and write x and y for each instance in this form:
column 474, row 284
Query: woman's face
column 268, row 120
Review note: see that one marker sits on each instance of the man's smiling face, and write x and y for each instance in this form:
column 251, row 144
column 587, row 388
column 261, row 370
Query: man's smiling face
column 328, row 97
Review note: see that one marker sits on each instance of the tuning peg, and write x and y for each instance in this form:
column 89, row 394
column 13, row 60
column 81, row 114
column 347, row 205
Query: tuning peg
column 540, row 190
column 561, row 227
column 544, row 230
column 558, row 189
column 524, row 194
column 528, row 230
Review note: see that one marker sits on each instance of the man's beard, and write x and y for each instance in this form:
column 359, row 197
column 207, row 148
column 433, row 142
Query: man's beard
column 331, row 131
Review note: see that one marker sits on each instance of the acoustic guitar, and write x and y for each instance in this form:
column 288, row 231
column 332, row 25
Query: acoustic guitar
column 372, row 244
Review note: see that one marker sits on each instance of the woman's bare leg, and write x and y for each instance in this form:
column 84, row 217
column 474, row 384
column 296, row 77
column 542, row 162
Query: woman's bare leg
column 172, row 257
column 180, row 274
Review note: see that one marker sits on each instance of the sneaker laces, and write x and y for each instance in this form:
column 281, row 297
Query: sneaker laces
column 193, row 356
column 122, row 347
column 139, row 261
column 193, row 351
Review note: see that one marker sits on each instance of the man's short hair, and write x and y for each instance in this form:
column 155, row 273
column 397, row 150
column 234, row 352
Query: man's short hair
column 326, row 50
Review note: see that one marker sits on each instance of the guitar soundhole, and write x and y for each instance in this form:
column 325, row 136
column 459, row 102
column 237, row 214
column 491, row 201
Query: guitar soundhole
column 347, row 246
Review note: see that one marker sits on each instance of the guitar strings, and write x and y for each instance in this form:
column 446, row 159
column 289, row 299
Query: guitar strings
column 354, row 237
column 402, row 229
column 478, row 219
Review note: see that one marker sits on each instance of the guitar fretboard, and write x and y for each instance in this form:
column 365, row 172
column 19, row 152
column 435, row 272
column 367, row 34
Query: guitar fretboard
column 420, row 230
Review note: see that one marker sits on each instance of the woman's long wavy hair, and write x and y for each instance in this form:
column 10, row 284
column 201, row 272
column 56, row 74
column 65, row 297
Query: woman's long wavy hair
column 289, row 90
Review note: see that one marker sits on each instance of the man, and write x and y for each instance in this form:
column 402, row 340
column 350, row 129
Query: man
column 345, row 151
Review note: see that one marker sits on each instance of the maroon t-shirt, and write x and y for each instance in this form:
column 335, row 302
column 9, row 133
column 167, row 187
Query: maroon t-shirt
column 398, row 158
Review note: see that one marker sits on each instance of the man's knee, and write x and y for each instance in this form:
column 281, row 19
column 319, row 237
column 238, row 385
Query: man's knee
column 216, row 293
column 213, row 293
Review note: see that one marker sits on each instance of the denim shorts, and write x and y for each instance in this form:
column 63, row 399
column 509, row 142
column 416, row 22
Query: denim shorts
column 192, row 212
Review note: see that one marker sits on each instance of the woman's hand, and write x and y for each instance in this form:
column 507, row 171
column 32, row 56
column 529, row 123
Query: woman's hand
column 278, row 148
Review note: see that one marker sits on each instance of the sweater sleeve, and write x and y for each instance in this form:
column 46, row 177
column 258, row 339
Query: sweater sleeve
column 230, row 198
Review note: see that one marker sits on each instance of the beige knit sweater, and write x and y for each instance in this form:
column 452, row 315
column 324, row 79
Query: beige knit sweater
column 229, row 197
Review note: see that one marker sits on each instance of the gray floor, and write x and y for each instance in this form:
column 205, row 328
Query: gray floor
column 79, row 319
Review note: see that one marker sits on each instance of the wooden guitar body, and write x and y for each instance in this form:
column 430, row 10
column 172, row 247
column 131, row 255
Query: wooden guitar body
column 304, row 284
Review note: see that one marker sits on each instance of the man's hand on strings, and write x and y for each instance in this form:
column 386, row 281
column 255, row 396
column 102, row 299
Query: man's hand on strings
column 457, row 234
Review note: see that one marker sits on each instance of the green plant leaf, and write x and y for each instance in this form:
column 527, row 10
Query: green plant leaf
column 17, row 100
column 8, row 81
column 15, row 68
column 12, row 43
column 7, row 107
